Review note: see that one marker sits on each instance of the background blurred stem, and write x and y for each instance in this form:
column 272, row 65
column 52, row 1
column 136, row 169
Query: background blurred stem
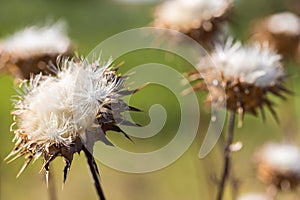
column 226, row 167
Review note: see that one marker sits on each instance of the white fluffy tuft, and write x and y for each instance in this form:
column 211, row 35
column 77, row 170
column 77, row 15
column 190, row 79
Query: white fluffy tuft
column 57, row 109
column 254, row 196
column 38, row 40
column 183, row 15
column 284, row 23
column 253, row 64
column 281, row 157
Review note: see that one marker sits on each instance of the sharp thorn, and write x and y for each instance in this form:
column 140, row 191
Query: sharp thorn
column 273, row 113
column 263, row 114
column 47, row 178
column 14, row 158
column 66, row 170
column 24, row 166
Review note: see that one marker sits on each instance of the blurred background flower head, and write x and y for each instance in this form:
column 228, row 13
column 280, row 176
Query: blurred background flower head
column 279, row 165
column 30, row 50
column 280, row 30
column 200, row 19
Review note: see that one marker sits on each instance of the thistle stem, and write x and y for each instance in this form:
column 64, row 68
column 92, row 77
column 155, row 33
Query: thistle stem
column 51, row 187
column 227, row 160
column 95, row 173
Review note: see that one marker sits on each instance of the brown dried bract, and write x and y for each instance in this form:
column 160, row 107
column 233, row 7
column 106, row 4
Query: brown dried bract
column 23, row 66
column 235, row 95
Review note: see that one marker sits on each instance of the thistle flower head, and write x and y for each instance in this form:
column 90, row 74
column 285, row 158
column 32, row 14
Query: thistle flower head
column 29, row 50
column 280, row 30
column 62, row 114
column 199, row 19
column 247, row 73
column 254, row 196
column 279, row 165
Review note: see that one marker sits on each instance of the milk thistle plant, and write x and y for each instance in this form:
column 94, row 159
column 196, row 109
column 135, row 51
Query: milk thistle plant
column 68, row 112
column 29, row 51
column 248, row 74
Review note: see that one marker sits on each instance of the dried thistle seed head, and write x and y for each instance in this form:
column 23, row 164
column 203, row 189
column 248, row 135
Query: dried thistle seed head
column 254, row 196
column 200, row 19
column 279, row 165
column 247, row 73
column 281, row 31
column 29, row 51
column 62, row 114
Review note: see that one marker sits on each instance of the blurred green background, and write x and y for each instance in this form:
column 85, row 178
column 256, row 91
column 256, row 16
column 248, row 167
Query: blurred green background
column 89, row 23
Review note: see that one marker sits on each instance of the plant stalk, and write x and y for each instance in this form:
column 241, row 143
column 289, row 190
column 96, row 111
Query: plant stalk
column 95, row 173
column 51, row 186
column 227, row 159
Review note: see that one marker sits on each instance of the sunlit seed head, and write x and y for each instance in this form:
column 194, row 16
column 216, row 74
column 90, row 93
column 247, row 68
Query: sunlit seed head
column 184, row 15
column 254, row 196
column 280, row 30
column 58, row 115
column 72, row 98
column 279, row 164
column 281, row 157
column 240, row 77
column 204, row 21
column 251, row 64
column 284, row 23
column 50, row 39
column 29, row 51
